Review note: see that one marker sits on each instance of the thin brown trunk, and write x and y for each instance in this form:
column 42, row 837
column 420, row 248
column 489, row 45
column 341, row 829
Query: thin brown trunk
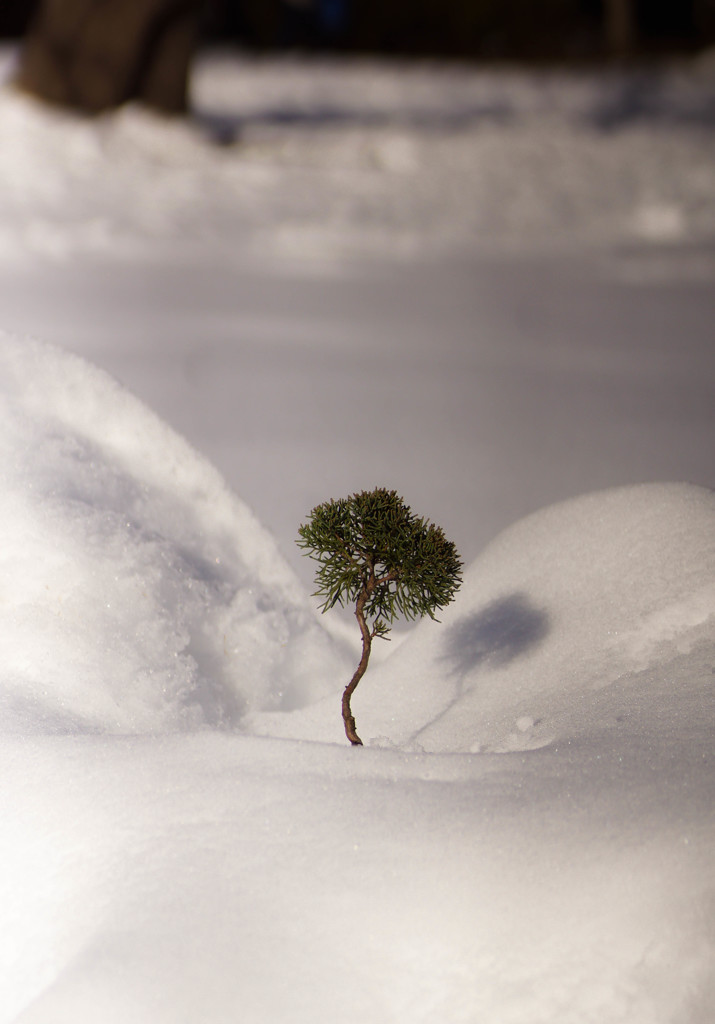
column 359, row 672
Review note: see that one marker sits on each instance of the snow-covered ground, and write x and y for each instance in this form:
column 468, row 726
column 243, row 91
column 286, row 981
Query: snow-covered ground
column 489, row 290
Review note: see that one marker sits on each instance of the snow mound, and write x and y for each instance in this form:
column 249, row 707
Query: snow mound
column 138, row 593
column 594, row 616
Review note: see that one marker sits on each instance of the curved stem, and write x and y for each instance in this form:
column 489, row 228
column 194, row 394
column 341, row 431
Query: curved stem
column 360, row 670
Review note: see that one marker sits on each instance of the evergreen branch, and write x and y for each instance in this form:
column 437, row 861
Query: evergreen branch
column 373, row 551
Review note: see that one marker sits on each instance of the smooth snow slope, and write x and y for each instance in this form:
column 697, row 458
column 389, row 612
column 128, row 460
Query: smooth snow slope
column 596, row 616
column 183, row 875
column 212, row 878
column 592, row 617
column 138, row 593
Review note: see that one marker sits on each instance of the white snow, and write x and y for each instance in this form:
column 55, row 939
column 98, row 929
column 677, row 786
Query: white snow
column 112, row 527
column 491, row 290
column 334, row 160
column 556, row 632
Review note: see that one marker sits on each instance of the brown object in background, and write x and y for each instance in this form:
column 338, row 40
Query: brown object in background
column 620, row 27
column 93, row 55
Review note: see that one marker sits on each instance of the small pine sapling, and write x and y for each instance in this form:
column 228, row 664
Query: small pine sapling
column 373, row 552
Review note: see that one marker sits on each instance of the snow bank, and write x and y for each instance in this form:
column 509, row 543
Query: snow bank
column 328, row 159
column 138, row 594
column 220, row 878
column 574, row 623
column 196, row 872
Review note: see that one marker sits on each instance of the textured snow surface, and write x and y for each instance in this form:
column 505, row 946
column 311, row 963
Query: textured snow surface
column 562, row 872
column 576, row 622
column 527, row 836
column 138, row 593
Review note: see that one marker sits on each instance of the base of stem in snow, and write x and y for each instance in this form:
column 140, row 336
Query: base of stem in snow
column 350, row 730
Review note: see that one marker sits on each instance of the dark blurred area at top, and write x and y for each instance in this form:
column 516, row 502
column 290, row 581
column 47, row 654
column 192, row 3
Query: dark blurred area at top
column 525, row 30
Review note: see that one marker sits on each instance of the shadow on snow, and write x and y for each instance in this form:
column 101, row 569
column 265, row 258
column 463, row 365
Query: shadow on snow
column 495, row 635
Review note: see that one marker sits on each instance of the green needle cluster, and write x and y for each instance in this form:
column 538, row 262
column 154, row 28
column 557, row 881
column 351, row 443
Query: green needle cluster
column 374, row 553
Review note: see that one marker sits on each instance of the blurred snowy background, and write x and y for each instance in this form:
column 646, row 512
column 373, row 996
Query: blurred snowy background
column 487, row 289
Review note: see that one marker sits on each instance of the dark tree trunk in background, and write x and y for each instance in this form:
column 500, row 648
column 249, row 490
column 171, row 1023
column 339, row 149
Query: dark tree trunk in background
column 93, row 55
column 620, row 27
column 704, row 19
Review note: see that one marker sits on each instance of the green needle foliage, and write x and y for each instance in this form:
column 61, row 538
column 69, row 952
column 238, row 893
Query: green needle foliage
column 375, row 554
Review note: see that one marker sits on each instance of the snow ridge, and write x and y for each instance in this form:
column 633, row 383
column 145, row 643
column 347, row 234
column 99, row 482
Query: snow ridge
column 139, row 593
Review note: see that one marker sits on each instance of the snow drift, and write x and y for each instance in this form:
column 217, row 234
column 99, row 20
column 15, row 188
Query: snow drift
column 139, row 594
column 574, row 622
column 559, row 623
column 529, row 840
